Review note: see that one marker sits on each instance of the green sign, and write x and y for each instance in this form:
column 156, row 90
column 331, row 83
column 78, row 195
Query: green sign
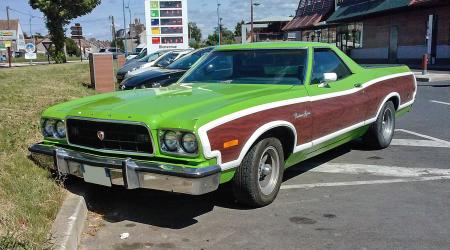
column 154, row 5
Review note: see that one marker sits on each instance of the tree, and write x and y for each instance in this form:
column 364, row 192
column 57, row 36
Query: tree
column 238, row 29
column 72, row 47
column 227, row 37
column 195, row 35
column 58, row 14
column 119, row 43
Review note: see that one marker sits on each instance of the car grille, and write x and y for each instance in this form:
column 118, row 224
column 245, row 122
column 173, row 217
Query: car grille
column 113, row 136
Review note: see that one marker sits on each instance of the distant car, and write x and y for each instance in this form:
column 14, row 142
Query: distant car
column 162, row 62
column 139, row 53
column 114, row 51
column 137, row 63
column 162, row 77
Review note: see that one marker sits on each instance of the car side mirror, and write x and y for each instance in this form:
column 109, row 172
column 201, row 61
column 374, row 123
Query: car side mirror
column 327, row 78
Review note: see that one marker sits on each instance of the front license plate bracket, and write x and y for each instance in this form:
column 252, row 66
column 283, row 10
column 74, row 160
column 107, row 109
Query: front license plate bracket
column 96, row 175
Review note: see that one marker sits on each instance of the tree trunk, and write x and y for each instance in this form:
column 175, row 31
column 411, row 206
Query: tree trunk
column 56, row 31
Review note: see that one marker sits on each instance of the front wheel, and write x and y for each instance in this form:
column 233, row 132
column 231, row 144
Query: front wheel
column 258, row 178
column 381, row 132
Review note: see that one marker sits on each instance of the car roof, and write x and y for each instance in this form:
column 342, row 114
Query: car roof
column 272, row 45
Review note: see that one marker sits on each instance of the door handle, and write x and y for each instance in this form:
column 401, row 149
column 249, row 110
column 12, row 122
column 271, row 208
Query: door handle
column 357, row 85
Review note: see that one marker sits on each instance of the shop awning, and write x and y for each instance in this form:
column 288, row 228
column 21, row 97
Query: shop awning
column 356, row 9
column 303, row 22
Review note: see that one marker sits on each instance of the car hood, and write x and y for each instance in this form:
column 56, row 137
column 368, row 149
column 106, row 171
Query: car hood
column 178, row 105
column 144, row 69
column 148, row 75
column 129, row 66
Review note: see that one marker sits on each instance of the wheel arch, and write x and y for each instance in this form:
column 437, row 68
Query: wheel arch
column 268, row 129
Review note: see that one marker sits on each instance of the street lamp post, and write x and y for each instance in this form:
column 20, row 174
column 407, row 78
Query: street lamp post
column 251, row 19
column 129, row 12
column 125, row 28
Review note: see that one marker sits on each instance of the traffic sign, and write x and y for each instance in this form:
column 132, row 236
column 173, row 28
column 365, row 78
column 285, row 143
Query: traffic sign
column 76, row 31
column 30, row 56
column 30, row 48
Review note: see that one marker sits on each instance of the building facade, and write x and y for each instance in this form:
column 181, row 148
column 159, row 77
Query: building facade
column 18, row 43
column 380, row 31
column 265, row 30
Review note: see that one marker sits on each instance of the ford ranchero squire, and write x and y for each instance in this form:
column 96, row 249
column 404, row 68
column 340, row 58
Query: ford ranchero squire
column 242, row 114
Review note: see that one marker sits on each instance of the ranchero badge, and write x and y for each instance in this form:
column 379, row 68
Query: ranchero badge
column 101, row 135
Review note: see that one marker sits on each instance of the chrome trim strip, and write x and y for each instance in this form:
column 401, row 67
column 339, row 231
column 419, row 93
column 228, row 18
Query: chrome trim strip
column 111, row 121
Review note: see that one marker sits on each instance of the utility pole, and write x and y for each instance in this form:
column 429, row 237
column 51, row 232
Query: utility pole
column 218, row 21
column 9, row 48
column 125, row 28
column 113, row 31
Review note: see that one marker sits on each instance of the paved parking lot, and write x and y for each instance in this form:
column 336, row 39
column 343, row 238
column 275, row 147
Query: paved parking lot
column 349, row 198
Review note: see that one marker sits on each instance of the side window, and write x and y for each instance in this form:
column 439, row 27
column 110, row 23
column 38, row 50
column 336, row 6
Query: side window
column 326, row 61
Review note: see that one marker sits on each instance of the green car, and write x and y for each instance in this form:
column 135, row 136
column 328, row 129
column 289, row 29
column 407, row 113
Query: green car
column 242, row 114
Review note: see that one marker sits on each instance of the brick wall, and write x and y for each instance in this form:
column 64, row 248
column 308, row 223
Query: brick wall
column 411, row 28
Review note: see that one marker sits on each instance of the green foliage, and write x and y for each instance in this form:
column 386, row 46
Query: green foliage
column 238, row 28
column 118, row 43
column 58, row 14
column 29, row 196
column 227, row 37
column 72, row 47
column 195, row 35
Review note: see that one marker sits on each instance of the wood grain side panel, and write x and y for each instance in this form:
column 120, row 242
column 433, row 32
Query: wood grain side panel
column 243, row 128
column 376, row 93
column 333, row 114
column 329, row 115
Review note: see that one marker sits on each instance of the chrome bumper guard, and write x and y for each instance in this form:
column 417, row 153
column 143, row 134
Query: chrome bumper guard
column 131, row 174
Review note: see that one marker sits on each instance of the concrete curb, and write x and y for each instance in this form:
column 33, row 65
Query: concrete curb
column 69, row 223
column 433, row 78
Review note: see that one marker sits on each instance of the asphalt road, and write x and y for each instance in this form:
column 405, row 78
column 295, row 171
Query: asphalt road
column 349, row 198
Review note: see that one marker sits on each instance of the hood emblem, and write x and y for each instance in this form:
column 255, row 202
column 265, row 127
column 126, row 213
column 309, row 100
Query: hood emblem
column 101, row 135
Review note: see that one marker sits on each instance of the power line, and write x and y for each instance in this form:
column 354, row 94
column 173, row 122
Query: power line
column 24, row 13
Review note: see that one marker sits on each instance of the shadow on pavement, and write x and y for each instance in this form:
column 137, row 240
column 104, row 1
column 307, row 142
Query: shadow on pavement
column 170, row 210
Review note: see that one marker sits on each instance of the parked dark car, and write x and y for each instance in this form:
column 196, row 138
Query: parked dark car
column 137, row 63
column 139, row 55
column 162, row 77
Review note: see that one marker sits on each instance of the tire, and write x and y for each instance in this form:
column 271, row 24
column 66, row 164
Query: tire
column 381, row 132
column 259, row 177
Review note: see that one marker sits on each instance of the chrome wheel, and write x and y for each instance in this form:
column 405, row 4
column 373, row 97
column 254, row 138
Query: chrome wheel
column 387, row 125
column 269, row 170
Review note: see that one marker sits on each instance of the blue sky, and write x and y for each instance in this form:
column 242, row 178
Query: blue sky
column 203, row 12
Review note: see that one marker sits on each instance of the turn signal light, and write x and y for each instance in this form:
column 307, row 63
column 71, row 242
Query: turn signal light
column 230, row 144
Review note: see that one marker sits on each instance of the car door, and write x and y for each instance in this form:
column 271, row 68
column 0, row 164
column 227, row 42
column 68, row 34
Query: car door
column 338, row 105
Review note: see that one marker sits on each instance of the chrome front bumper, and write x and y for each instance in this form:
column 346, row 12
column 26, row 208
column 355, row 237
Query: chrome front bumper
column 131, row 174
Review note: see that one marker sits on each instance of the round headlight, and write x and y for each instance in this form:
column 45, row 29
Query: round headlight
column 170, row 140
column 189, row 143
column 60, row 129
column 49, row 128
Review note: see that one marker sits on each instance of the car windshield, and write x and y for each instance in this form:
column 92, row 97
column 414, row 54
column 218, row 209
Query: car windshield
column 141, row 53
column 167, row 59
column 150, row 57
column 261, row 66
column 187, row 61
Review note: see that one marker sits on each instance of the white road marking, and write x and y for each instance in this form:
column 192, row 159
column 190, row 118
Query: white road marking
column 424, row 136
column 341, row 168
column 445, row 103
column 419, row 143
column 355, row 183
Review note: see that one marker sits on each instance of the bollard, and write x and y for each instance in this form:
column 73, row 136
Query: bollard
column 425, row 64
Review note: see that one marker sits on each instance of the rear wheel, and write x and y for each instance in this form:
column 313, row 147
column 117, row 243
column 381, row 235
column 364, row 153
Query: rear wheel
column 381, row 132
column 258, row 178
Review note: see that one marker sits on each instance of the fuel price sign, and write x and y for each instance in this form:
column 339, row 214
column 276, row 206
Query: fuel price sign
column 167, row 24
